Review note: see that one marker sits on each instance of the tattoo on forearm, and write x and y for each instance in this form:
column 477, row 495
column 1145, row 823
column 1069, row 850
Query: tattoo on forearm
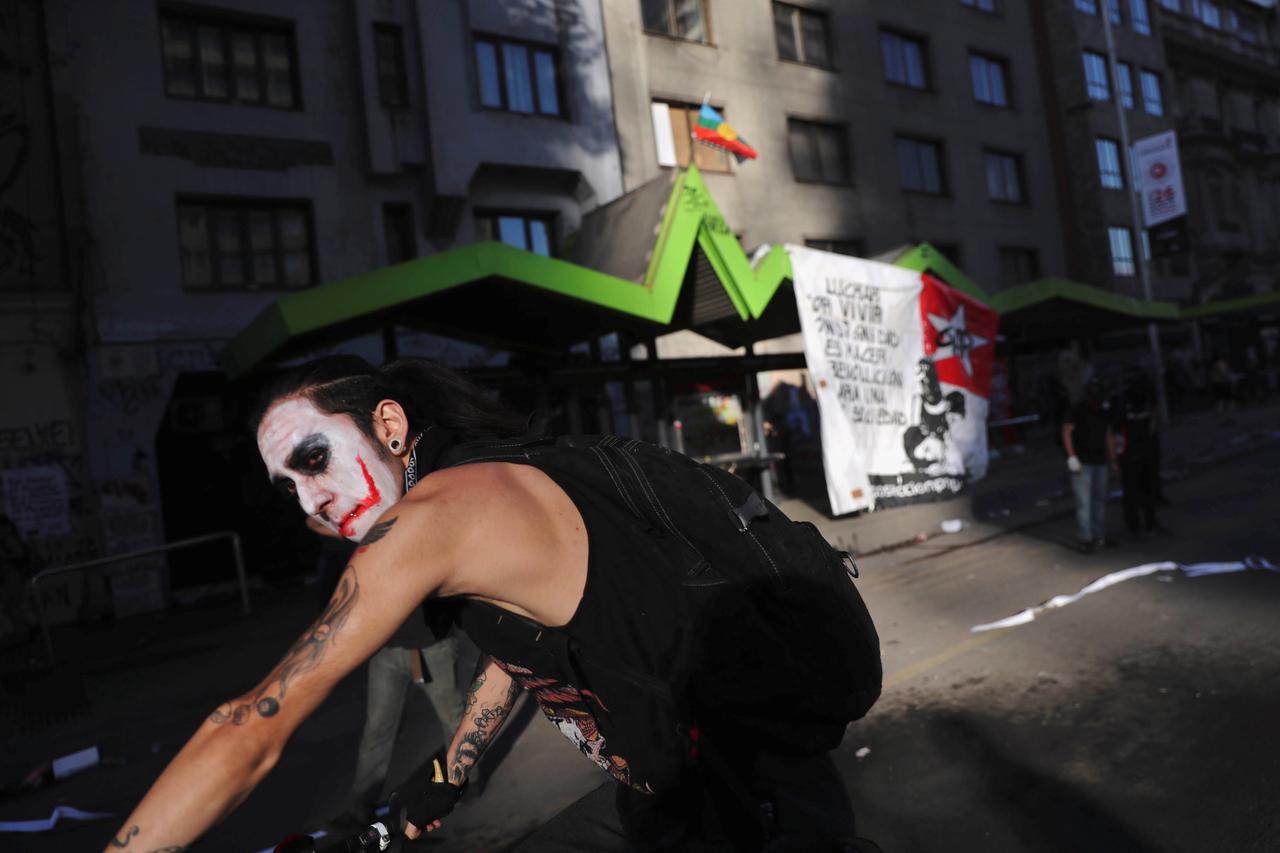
column 487, row 720
column 304, row 656
column 123, row 840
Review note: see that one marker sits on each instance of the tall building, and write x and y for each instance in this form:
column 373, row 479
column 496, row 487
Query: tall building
column 876, row 126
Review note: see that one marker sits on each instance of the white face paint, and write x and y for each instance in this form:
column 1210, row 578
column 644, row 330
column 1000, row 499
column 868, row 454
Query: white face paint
column 336, row 471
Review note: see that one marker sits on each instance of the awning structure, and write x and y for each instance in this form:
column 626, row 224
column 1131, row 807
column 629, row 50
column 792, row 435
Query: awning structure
column 1049, row 308
column 657, row 260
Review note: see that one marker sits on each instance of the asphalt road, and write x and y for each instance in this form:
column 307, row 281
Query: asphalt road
column 1143, row 717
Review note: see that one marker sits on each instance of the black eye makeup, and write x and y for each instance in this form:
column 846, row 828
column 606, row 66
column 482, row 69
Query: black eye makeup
column 311, row 457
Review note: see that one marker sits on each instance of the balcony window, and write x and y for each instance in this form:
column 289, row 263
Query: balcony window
column 682, row 19
column 819, row 152
column 229, row 60
column 1095, row 76
column 1152, row 99
column 530, row 232
column 1017, row 265
column 802, row 35
column 1207, row 12
column 1125, row 75
column 1113, row 11
column 1140, row 17
column 920, row 165
column 388, row 52
column 518, row 77
column 397, row 228
column 1004, row 176
column 988, row 77
column 673, row 131
column 903, row 60
column 234, row 244
column 1121, row 240
column 1109, row 163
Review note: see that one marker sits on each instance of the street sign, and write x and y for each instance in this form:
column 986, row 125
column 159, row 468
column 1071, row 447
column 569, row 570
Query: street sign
column 1160, row 178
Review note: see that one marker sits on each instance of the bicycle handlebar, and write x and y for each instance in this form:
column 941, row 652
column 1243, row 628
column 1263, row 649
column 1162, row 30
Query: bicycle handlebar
column 372, row 839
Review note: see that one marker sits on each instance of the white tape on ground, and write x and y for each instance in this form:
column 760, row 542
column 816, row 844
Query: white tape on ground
column 1193, row 570
column 46, row 824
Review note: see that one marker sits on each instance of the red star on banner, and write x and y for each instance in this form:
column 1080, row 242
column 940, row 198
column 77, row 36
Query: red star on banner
column 959, row 335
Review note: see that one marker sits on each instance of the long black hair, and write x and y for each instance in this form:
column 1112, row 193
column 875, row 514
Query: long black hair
column 431, row 395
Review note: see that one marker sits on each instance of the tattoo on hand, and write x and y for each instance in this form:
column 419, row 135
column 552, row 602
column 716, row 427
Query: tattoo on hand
column 304, row 656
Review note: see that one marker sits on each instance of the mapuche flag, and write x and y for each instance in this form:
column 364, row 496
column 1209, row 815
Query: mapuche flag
column 711, row 129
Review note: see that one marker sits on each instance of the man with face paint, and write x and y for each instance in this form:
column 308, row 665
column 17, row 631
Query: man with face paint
column 448, row 494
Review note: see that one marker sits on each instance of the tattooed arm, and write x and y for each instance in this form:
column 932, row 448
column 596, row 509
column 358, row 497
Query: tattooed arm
column 242, row 739
column 489, row 701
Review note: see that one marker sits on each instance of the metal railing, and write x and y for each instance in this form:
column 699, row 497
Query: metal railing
column 34, row 582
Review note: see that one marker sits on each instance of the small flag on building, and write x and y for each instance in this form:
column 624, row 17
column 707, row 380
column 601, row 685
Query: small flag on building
column 713, row 130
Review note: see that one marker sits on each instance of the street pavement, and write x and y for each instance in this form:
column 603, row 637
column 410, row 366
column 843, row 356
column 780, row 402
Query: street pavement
column 1143, row 717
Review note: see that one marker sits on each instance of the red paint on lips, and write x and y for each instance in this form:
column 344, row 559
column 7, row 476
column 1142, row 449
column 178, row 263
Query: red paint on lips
column 372, row 499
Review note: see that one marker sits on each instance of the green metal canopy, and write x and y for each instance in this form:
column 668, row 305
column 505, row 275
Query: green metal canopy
column 694, row 275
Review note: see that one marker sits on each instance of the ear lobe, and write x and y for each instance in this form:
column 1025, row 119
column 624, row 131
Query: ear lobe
column 389, row 421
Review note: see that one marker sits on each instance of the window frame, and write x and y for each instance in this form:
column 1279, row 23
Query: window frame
column 1000, row 62
column 1025, row 252
column 1140, row 23
column 243, row 206
column 1118, row 260
column 1090, row 85
column 1087, row 7
column 721, row 165
column 817, row 125
column 1124, row 74
column 1119, row 171
column 920, row 41
column 671, row 17
column 527, row 216
column 797, row 31
column 383, row 28
column 976, row 5
column 532, row 48
column 1019, row 172
column 228, row 23
column 1145, row 74
column 939, row 146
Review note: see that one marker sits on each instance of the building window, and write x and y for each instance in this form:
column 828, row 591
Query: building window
column 397, row 227
column 1095, row 76
column 903, row 60
column 980, row 5
column 231, row 60
column 518, row 77
column 819, row 152
column 1125, row 75
column 1171, row 5
column 1140, row 17
column 1152, row 100
column 245, row 245
column 673, row 130
column 1089, row 7
column 1004, row 176
column 920, row 165
column 529, row 231
column 1245, row 26
column 388, row 53
column 1207, row 12
column 1109, row 163
column 1121, row 250
column 1113, row 11
column 1017, row 266
column 988, row 76
column 802, row 35
column 854, row 248
column 682, row 19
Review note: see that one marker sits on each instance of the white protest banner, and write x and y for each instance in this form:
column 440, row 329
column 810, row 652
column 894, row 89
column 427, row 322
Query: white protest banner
column 902, row 367
column 1160, row 177
column 35, row 499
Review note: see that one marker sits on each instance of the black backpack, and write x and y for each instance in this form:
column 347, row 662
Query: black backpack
column 778, row 647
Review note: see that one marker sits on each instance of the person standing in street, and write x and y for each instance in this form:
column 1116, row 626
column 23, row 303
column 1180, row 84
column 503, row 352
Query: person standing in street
column 1139, row 453
column 1090, row 445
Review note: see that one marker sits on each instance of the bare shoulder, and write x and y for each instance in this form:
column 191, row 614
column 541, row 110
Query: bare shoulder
column 508, row 531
